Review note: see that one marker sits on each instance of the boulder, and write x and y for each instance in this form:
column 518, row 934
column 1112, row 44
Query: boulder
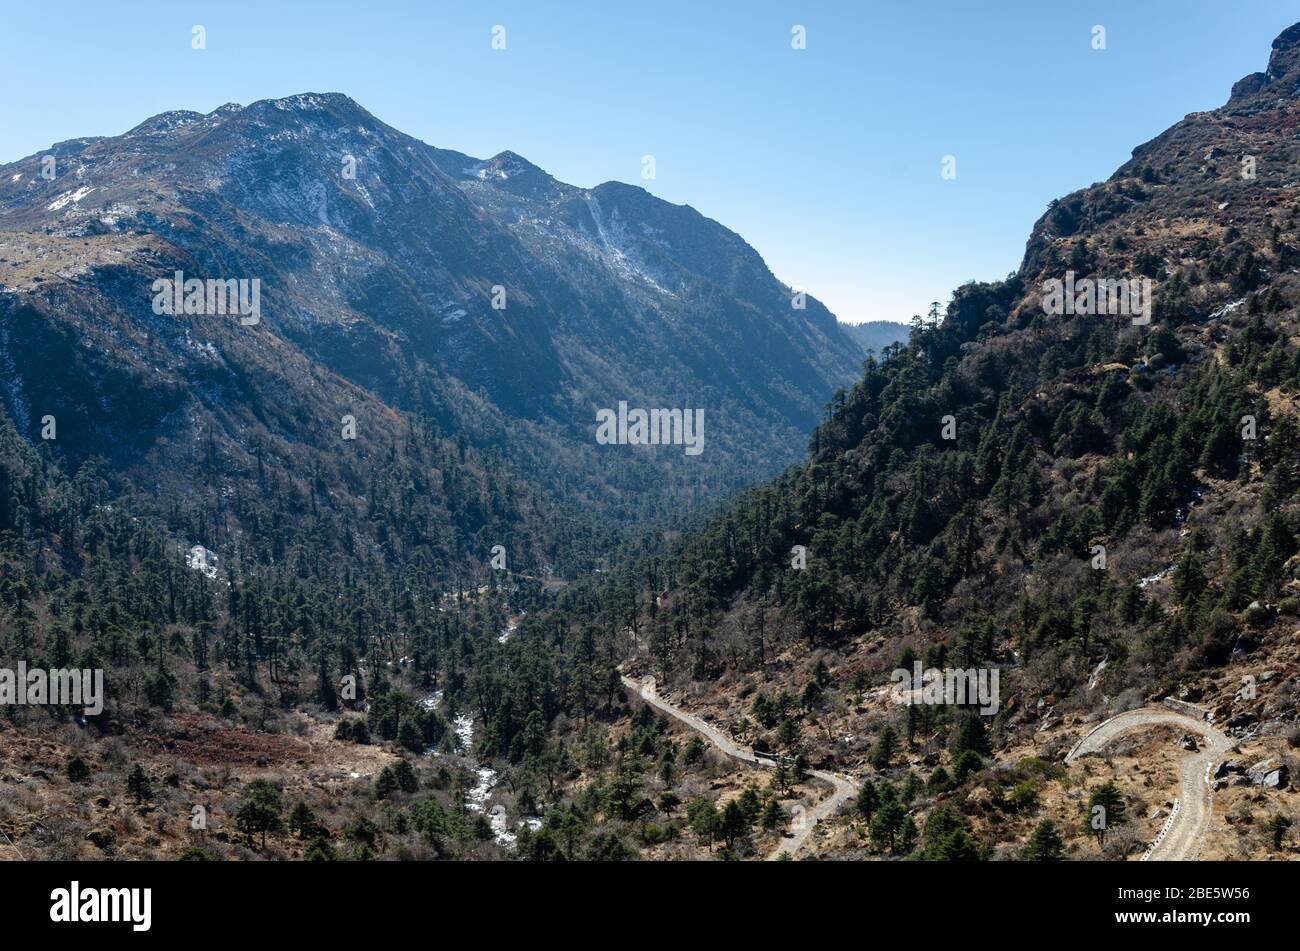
column 1229, row 766
column 1188, row 742
column 1269, row 773
column 1240, row 721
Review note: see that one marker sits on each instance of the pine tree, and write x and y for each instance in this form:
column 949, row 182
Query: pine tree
column 734, row 822
column 781, row 776
column 302, row 821
column 939, row 781
column 702, row 815
column 883, row 751
column 404, row 773
column 1106, row 808
column 886, row 825
column 971, row 735
column 1045, row 844
column 957, row 846
column 868, row 799
column 385, row 783
column 967, row 762
column 363, row 831
column 138, row 784
column 907, row 835
column 320, row 850
column 259, row 811
column 948, row 837
column 78, row 771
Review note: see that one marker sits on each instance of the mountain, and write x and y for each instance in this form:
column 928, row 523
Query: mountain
column 1099, row 507
column 874, row 336
column 1100, row 504
column 496, row 306
column 298, row 420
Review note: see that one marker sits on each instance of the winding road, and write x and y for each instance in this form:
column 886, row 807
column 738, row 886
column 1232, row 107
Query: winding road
column 1181, row 842
column 843, row 789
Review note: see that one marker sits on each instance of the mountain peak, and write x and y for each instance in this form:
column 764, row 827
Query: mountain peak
column 511, row 173
column 310, row 106
column 509, row 164
column 308, row 101
column 186, row 120
column 166, row 122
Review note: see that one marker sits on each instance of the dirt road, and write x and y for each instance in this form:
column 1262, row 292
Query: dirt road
column 842, row 788
column 1182, row 842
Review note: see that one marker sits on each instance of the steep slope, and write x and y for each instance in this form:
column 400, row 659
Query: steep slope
column 1103, row 506
column 274, row 527
column 502, row 305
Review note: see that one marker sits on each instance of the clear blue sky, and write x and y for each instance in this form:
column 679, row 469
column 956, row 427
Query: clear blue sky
column 827, row 160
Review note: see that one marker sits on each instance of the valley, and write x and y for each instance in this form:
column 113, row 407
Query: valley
column 372, row 477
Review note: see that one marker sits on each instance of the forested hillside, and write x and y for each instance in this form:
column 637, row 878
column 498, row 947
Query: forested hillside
column 482, row 299
column 268, row 527
column 1104, row 510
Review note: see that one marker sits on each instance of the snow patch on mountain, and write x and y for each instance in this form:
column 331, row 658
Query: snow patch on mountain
column 365, row 194
column 618, row 248
column 69, row 197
